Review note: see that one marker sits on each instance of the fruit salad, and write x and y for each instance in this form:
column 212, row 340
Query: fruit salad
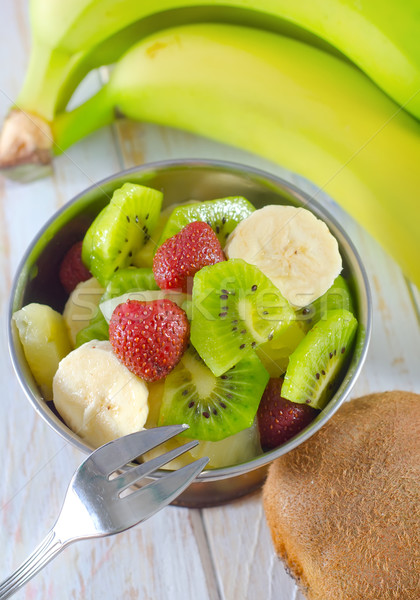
column 233, row 320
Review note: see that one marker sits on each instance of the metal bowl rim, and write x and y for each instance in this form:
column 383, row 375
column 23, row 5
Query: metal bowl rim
column 241, row 170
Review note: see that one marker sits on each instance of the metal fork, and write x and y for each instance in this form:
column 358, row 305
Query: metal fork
column 94, row 505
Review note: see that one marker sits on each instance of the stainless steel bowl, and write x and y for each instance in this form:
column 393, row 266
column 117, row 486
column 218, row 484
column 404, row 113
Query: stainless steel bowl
column 37, row 281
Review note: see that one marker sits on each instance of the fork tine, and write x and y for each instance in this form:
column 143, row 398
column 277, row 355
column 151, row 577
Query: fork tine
column 151, row 498
column 119, row 452
column 130, row 477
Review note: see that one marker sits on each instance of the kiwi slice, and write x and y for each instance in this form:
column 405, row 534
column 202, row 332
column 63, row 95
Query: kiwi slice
column 232, row 450
column 312, row 375
column 213, row 407
column 144, row 257
column 222, row 215
column 235, row 309
column 96, row 330
column 129, row 279
column 120, row 230
column 123, row 281
column 274, row 354
column 337, row 297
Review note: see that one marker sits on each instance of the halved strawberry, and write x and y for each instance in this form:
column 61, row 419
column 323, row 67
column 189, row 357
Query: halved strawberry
column 278, row 418
column 72, row 270
column 149, row 337
column 181, row 256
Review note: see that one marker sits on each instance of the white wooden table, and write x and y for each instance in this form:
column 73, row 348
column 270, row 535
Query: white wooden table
column 179, row 554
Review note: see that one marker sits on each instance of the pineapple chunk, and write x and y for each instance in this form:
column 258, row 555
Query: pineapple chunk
column 45, row 342
column 233, row 450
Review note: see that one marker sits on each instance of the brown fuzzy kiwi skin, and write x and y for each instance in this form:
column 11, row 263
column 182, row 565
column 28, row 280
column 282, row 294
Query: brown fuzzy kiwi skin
column 344, row 507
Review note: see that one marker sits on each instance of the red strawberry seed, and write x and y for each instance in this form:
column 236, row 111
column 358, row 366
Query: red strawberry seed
column 149, row 337
column 180, row 257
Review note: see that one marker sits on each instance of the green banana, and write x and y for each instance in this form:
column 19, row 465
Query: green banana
column 71, row 38
column 278, row 98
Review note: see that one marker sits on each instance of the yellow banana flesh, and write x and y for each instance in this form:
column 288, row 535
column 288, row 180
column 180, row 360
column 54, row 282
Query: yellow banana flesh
column 289, row 102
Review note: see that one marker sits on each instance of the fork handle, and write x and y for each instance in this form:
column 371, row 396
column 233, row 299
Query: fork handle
column 50, row 546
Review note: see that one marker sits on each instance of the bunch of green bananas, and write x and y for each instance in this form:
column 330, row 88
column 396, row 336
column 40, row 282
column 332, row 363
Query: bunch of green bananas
column 296, row 82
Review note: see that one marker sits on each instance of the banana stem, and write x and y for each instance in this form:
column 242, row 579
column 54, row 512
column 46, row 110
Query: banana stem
column 28, row 142
column 70, row 127
column 50, row 80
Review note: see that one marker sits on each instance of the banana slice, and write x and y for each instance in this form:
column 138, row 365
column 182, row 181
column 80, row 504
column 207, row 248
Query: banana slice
column 292, row 247
column 97, row 396
column 81, row 306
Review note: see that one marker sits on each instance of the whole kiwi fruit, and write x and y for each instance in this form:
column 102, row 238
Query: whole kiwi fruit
column 343, row 507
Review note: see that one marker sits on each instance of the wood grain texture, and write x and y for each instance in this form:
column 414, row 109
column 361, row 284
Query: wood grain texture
column 222, row 553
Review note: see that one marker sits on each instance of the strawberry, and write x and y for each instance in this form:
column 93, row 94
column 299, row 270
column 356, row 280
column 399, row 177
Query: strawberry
column 149, row 337
column 72, row 270
column 181, row 256
column 278, row 418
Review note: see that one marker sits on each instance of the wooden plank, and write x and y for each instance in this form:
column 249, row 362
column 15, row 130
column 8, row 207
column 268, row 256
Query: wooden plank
column 221, row 552
column 243, row 554
column 146, row 562
column 392, row 363
column 241, row 550
column 388, row 363
column 394, row 348
column 230, row 552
